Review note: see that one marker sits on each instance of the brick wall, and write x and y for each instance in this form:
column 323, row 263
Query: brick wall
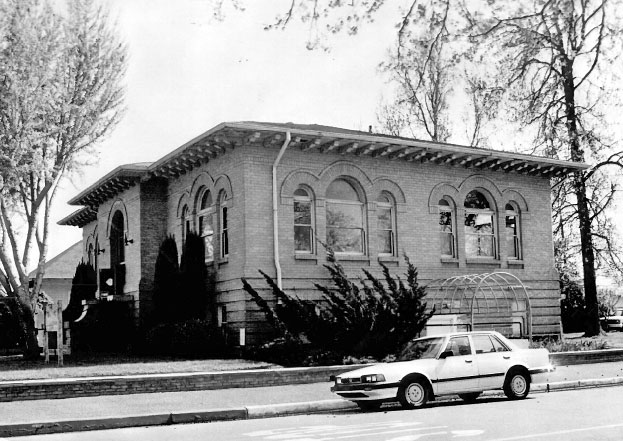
column 153, row 221
column 44, row 389
column 417, row 224
column 246, row 174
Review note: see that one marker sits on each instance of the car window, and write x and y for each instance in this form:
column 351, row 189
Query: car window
column 499, row 346
column 421, row 348
column 482, row 344
column 459, row 346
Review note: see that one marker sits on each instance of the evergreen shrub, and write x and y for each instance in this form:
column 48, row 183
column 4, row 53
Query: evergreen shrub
column 83, row 287
column 374, row 317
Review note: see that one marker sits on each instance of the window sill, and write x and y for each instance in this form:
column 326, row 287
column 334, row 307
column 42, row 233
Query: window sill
column 302, row 256
column 352, row 257
column 449, row 259
column 222, row 260
column 515, row 263
column 388, row 259
column 482, row 260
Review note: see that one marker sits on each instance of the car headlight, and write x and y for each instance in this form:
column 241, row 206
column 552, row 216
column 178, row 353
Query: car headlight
column 372, row 378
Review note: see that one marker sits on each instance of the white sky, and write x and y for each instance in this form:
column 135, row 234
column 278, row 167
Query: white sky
column 187, row 73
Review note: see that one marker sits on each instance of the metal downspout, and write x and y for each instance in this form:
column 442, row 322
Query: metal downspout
column 276, row 210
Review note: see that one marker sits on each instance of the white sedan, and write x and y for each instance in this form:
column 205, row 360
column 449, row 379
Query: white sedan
column 465, row 363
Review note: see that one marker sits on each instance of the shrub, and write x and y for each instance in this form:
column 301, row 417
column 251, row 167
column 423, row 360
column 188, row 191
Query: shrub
column 375, row 317
column 555, row 345
column 83, row 287
column 189, row 339
column 166, row 282
column 573, row 316
column 12, row 335
column 194, row 278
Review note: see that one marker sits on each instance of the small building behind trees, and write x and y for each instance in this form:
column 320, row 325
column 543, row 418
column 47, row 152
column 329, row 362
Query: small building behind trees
column 268, row 196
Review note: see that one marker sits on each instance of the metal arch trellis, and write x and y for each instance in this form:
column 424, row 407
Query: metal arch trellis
column 487, row 292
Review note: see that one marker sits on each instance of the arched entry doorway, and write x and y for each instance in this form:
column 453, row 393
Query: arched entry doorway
column 496, row 300
column 117, row 251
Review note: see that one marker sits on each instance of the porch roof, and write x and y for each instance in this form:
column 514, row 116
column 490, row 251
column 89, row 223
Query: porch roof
column 79, row 218
column 118, row 180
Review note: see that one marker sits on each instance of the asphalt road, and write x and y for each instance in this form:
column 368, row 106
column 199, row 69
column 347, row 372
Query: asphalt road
column 584, row 414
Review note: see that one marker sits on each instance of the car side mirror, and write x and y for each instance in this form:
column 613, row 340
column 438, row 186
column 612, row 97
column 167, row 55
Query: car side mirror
column 446, row 354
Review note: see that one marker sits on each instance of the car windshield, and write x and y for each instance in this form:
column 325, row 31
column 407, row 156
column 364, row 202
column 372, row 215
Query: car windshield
column 421, row 348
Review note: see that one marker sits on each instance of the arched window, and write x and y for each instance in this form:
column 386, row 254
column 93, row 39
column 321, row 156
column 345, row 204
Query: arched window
column 96, row 253
column 446, row 229
column 386, row 224
column 117, row 239
column 117, row 251
column 205, row 222
column 303, row 222
column 513, row 241
column 91, row 255
column 345, row 218
column 224, row 225
column 186, row 222
column 479, row 226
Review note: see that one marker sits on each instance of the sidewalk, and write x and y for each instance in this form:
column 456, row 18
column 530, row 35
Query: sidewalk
column 113, row 411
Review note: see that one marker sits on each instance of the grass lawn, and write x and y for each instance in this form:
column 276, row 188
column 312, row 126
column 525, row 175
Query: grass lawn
column 14, row 368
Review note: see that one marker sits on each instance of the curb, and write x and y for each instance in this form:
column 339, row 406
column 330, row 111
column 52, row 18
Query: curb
column 244, row 413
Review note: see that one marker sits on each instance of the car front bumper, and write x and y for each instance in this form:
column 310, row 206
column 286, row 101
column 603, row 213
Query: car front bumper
column 365, row 392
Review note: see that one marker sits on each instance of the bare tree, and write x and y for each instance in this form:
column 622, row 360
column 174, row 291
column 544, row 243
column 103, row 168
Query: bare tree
column 552, row 57
column 551, row 52
column 60, row 93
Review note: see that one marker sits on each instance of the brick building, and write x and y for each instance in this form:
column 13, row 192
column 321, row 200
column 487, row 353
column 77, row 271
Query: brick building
column 453, row 210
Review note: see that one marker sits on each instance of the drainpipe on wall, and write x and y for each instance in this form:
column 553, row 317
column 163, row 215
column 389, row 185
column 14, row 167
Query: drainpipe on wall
column 276, row 209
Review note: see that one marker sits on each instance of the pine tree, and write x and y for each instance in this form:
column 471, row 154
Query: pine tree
column 166, row 282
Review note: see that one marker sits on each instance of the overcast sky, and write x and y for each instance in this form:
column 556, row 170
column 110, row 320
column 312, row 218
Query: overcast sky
column 188, row 72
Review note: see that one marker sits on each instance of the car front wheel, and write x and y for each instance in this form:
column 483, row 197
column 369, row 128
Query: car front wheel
column 413, row 394
column 517, row 385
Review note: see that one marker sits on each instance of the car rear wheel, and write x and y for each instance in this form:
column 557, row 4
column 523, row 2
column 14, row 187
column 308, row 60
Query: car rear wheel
column 517, row 385
column 413, row 394
column 469, row 397
column 368, row 406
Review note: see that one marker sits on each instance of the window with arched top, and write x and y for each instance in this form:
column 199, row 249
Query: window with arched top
column 386, row 224
column 205, row 222
column 345, row 218
column 303, row 222
column 186, row 222
column 513, row 240
column 479, row 226
column 446, row 229
column 224, row 224
column 91, row 255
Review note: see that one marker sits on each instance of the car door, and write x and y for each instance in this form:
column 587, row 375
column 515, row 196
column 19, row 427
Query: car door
column 457, row 372
column 493, row 359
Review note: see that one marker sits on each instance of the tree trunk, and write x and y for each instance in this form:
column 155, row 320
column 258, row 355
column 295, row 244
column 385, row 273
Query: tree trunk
column 592, row 327
column 586, row 238
column 31, row 351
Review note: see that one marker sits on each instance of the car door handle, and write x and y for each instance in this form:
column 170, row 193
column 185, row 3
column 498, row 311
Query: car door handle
column 506, row 357
column 468, row 361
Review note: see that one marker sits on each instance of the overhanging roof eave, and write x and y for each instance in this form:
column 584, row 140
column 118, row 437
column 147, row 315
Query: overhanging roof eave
column 413, row 143
column 123, row 171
